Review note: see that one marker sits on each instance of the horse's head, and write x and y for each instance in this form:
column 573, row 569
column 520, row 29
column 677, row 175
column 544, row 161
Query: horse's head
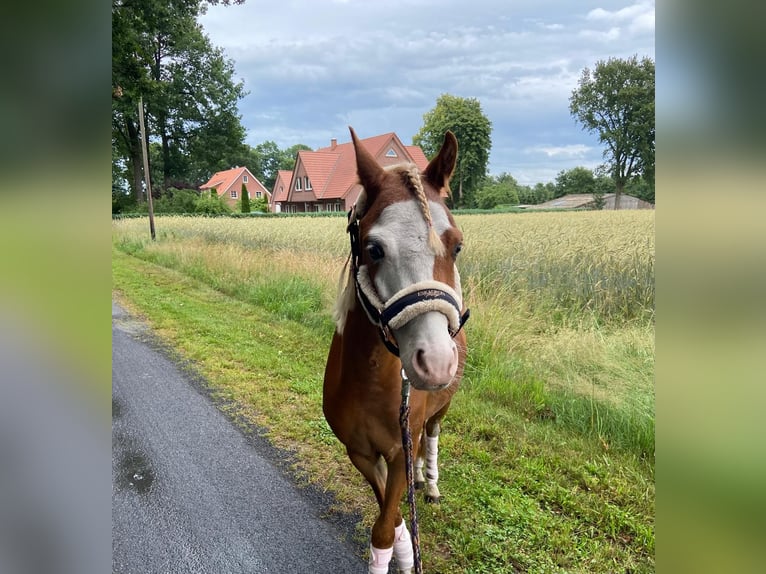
column 407, row 246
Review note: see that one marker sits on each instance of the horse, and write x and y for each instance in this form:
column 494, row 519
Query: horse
column 399, row 315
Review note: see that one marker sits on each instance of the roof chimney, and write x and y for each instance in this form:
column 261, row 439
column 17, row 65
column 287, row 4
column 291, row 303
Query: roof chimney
column 333, row 143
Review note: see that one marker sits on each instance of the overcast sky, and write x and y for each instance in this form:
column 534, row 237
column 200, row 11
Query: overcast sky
column 314, row 67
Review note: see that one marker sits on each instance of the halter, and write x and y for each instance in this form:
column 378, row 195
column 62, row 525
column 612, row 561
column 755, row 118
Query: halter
column 405, row 305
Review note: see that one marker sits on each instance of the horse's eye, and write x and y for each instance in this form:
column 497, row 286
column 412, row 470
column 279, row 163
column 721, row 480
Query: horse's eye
column 458, row 249
column 375, row 251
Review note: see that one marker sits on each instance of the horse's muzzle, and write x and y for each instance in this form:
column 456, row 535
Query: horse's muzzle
column 432, row 367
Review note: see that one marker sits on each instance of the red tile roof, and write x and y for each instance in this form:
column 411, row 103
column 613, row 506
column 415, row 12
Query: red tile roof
column 332, row 169
column 418, row 157
column 223, row 180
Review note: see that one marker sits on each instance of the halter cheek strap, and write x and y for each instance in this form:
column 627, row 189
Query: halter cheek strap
column 405, row 305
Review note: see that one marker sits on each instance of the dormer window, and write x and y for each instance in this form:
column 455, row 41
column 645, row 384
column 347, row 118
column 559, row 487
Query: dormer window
column 298, row 184
column 307, row 182
column 391, row 153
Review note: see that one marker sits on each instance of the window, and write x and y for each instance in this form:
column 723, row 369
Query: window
column 244, row 179
column 258, row 195
column 391, row 153
column 308, row 182
column 234, row 194
column 297, row 184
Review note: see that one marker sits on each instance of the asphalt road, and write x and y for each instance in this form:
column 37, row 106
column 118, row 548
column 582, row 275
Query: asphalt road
column 191, row 492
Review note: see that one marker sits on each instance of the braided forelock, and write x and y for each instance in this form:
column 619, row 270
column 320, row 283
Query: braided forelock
column 411, row 178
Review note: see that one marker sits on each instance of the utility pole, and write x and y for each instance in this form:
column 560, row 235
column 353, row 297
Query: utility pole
column 146, row 164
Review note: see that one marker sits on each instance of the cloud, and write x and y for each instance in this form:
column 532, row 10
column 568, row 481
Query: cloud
column 639, row 18
column 629, row 13
column 311, row 69
column 567, row 151
column 607, row 36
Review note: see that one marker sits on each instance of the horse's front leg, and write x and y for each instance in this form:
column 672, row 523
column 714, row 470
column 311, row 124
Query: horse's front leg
column 420, row 462
column 390, row 536
column 431, row 440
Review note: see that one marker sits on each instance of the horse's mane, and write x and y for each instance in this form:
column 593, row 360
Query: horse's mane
column 410, row 175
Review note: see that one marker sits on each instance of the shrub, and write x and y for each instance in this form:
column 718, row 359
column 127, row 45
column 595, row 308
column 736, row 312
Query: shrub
column 211, row 205
column 176, row 201
column 260, row 204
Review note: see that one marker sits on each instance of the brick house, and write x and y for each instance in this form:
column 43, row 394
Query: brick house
column 228, row 184
column 326, row 180
column 280, row 191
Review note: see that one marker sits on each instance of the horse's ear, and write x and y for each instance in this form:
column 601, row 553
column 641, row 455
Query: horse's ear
column 441, row 168
column 369, row 171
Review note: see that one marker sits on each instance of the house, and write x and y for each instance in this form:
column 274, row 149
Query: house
column 587, row 201
column 326, row 180
column 280, row 190
column 228, row 184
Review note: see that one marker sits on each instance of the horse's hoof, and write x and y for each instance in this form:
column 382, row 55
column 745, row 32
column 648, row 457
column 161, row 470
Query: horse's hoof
column 420, row 485
column 432, row 499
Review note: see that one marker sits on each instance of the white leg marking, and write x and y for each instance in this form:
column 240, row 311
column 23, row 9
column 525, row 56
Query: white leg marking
column 420, row 462
column 379, row 559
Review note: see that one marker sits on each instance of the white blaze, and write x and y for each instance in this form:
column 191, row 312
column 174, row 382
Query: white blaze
column 402, row 233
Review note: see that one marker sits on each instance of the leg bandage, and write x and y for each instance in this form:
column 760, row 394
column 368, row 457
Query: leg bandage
column 379, row 560
column 432, row 455
column 405, row 558
column 432, row 467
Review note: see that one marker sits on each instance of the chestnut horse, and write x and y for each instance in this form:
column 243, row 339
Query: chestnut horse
column 399, row 314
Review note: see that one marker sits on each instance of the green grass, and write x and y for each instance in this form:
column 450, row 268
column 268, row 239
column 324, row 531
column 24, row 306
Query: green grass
column 546, row 454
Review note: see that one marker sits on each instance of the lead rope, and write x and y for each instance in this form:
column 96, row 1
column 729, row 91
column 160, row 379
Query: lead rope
column 404, row 423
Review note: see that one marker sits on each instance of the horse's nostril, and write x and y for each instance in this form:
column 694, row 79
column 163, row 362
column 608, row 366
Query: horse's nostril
column 421, row 365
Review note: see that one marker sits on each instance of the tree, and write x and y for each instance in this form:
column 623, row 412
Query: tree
column 266, row 159
column 497, row 190
column 160, row 54
column 540, row 193
column 616, row 100
column 245, row 200
column 575, row 180
column 462, row 116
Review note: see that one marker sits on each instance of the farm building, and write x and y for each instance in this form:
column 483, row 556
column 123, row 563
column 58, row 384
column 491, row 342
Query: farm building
column 325, row 179
column 587, row 201
column 228, row 184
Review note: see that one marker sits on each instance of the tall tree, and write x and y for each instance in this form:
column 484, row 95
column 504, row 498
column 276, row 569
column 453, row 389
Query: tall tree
column 616, row 100
column 160, row 54
column 463, row 116
column 575, row 180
